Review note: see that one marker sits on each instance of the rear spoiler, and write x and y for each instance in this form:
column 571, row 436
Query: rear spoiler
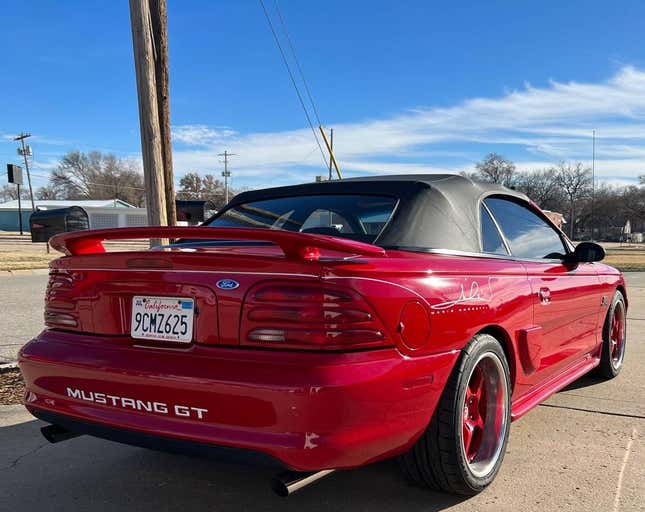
column 299, row 246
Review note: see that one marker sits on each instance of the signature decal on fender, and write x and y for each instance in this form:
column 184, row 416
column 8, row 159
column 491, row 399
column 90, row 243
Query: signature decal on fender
column 474, row 296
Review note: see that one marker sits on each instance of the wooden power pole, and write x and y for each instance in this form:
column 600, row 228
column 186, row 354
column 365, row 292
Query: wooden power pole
column 151, row 140
column 159, row 18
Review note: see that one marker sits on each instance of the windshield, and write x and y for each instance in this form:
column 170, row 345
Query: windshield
column 359, row 217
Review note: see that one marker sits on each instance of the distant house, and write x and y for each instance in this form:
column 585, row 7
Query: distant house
column 102, row 213
column 556, row 218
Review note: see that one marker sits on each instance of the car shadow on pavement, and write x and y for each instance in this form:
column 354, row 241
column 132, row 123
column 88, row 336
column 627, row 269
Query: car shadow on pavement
column 583, row 382
column 88, row 473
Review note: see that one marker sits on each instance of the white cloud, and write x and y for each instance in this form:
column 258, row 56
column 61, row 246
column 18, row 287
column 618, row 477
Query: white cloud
column 551, row 123
column 200, row 134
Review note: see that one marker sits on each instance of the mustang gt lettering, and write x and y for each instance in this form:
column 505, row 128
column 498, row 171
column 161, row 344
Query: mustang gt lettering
column 413, row 317
column 138, row 405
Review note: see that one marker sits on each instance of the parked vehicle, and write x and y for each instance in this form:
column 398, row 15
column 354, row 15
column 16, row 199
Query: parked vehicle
column 327, row 326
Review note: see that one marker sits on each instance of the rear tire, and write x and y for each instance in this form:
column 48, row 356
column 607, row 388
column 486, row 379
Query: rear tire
column 462, row 449
column 614, row 337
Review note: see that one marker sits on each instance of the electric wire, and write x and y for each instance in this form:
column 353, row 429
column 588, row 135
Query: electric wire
column 293, row 81
column 297, row 61
column 106, row 185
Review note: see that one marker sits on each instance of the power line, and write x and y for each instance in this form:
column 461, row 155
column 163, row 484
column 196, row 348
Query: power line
column 106, row 185
column 295, row 58
column 293, row 81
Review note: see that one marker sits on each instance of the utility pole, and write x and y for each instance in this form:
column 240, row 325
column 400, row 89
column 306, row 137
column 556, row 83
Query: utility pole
column 593, row 178
column 151, row 140
column 331, row 144
column 226, row 173
column 331, row 151
column 25, row 151
column 159, row 16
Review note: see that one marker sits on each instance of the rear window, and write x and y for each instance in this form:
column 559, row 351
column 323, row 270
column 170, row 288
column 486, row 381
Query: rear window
column 359, row 217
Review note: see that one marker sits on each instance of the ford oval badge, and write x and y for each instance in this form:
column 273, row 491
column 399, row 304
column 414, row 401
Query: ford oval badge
column 227, row 284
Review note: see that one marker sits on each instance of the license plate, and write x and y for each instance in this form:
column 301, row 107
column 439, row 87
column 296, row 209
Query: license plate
column 162, row 318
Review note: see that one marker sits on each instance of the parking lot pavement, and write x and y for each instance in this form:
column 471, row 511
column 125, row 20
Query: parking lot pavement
column 583, row 450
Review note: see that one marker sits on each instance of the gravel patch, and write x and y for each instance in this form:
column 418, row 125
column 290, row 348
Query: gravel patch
column 12, row 387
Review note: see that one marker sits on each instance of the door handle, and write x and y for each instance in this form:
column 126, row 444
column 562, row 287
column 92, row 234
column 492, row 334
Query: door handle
column 545, row 295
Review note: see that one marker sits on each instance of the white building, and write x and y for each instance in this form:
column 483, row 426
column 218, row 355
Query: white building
column 102, row 213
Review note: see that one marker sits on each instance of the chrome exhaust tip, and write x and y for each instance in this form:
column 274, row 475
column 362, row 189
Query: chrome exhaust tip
column 56, row 433
column 287, row 483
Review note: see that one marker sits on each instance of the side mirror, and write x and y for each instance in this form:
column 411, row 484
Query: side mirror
column 586, row 252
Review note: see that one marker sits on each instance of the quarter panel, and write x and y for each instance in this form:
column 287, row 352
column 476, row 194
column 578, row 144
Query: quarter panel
column 462, row 296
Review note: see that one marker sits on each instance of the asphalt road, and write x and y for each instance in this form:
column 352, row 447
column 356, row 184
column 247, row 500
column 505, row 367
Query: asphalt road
column 583, row 450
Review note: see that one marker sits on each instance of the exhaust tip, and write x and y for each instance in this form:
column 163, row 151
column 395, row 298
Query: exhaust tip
column 279, row 487
column 56, row 433
column 287, row 483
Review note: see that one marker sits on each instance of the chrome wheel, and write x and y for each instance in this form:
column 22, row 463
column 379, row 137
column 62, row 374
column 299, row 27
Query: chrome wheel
column 484, row 414
column 617, row 336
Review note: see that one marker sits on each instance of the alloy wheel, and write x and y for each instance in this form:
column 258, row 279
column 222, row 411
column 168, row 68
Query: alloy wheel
column 617, row 335
column 484, row 414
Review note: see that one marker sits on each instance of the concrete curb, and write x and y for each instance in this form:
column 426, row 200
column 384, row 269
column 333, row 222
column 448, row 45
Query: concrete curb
column 5, row 367
column 24, row 272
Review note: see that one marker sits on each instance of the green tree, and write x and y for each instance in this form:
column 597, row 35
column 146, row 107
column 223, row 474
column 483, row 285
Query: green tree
column 207, row 188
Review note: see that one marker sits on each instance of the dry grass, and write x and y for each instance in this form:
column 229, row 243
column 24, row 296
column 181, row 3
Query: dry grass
column 20, row 260
column 626, row 261
column 18, row 253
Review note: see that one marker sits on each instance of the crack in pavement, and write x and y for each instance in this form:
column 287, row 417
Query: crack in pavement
column 594, row 411
column 589, row 397
column 17, row 460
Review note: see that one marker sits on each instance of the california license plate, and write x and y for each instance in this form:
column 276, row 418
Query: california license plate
column 162, row 318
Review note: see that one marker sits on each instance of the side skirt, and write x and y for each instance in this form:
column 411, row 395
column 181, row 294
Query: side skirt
column 553, row 385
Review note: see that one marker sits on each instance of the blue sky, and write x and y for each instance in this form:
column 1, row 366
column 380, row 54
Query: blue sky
column 413, row 86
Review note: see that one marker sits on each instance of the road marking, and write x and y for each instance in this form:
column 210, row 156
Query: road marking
column 619, row 485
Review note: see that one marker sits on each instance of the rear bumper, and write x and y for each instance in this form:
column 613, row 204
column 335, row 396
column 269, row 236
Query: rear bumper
column 310, row 411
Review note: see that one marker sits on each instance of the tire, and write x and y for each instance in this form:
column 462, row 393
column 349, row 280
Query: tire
column 614, row 338
column 452, row 455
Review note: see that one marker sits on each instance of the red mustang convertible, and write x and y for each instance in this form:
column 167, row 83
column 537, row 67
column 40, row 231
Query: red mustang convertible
column 327, row 326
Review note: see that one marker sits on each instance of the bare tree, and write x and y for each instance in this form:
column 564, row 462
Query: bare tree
column 574, row 181
column 496, row 169
column 541, row 187
column 10, row 193
column 47, row 192
column 94, row 175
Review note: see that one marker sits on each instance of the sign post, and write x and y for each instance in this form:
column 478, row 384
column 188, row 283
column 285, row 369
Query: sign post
column 14, row 175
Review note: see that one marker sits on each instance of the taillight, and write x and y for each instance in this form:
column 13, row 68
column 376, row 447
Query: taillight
column 60, row 304
column 309, row 316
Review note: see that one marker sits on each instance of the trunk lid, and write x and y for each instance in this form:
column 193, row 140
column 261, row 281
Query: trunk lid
column 93, row 291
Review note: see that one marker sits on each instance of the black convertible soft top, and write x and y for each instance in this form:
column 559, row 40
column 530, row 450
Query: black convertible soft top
column 435, row 211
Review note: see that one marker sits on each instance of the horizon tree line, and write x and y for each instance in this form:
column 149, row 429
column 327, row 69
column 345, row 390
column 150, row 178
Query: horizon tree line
column 565, row 187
